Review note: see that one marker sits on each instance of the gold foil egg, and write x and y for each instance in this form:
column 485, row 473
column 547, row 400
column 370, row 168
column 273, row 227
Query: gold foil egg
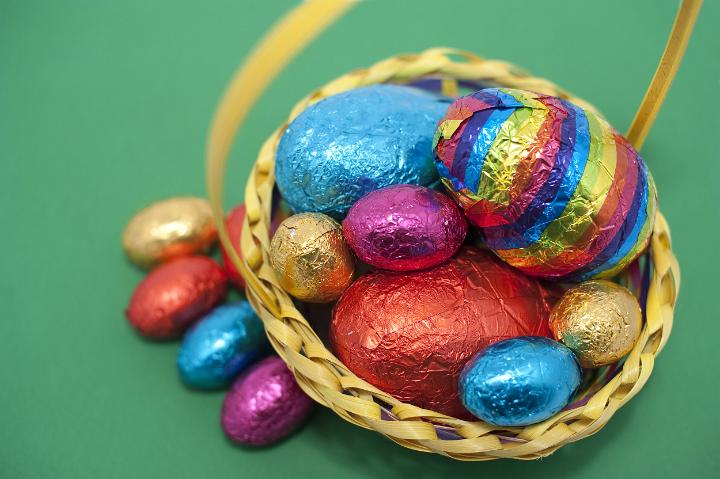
column 168, row 229
column 311, row 259
column 598, row 320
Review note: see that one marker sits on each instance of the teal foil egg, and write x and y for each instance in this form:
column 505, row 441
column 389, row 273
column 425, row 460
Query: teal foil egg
column 519, row 381
column 347, row 145
column 221, row 345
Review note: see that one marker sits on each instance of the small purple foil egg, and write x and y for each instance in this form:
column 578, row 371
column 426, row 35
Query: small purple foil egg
column 264, row 405
column 404, row 228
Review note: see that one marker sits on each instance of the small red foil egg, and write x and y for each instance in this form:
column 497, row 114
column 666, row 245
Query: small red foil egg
column 410, row 334
column 174, row 295
column 404, row 228
column 264, row 405
column 233, row 223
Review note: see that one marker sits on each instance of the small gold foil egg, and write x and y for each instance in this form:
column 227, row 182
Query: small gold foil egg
column 311, row 259
column 168, row 229
column 598, row 320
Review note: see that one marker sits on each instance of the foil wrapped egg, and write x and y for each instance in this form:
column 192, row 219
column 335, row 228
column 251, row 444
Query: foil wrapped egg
column 311, row 259
column 174, row 295
column 168, row 229
column 349, row 144
column 410, row 334
column 234, row 224
column 220, row 345
column 404, row 228
column 598, row 320
column 553, row 189
column 264, row 405
column 519, row 381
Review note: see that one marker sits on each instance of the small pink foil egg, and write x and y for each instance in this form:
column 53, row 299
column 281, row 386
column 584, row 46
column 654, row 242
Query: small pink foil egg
column 264, row 405
column 404, row 228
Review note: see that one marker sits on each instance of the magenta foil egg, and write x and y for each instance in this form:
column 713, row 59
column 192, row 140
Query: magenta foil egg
column 404, row 228
column 264, row 405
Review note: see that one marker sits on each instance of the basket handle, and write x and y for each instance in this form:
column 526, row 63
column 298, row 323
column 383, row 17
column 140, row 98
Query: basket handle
column 667, row 68
column 304, row 23
column 279, row 46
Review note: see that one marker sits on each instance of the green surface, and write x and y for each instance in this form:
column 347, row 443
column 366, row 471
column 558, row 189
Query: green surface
column 104, row 107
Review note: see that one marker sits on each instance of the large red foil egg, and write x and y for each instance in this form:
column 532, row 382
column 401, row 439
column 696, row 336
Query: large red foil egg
column 174, row 295
column 410, row 334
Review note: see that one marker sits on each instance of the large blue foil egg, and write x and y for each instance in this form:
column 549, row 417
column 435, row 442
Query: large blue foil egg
column 519, row 381
column 221, row 345
column 347, row 145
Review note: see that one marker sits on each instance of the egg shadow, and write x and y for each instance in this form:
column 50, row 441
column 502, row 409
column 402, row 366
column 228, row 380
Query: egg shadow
column 358, row 449
column 318, row 317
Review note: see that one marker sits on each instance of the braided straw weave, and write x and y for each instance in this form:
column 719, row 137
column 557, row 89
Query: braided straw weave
column 322, row 376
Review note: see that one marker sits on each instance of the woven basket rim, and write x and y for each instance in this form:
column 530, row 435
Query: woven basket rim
column 324, row 378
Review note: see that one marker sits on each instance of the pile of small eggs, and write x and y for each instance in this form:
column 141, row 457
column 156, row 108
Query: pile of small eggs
column 486, row 226
column 223, row 344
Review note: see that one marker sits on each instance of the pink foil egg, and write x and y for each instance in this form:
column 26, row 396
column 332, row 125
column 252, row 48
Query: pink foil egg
column 264, row 405
column 404, row 228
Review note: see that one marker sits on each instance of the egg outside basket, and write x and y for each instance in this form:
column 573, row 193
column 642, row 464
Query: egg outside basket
column 318, row 372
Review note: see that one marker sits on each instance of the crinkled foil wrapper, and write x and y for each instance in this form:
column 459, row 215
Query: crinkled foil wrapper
column 174, row 295
column 520, row 381
column 410, row 334
column 554, row 190
column 404, row 228
column 599, row 320
column 347, row 145
column 264, row 405
column 234, row 224
column 311, row 259
column 168, row 229
column 220, row 345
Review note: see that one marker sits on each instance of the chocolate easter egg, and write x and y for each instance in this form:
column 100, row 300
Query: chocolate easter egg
column 234, row 224
column 168, row 229
column 220, row 345
column 310, row 257
column 599, row 320
column 404, row 228
column 264, row 405
column 234, row 221
column 344, row 146
column 519, row 381
column 174, row 295
column 553, row 189
column 410, row 334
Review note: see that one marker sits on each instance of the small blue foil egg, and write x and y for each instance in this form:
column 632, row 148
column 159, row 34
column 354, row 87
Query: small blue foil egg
column 519, row 381
column 221, row 345
column 347, row 145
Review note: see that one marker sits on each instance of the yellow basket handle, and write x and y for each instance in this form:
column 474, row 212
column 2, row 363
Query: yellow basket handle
column 665, row 72
column 279, row 46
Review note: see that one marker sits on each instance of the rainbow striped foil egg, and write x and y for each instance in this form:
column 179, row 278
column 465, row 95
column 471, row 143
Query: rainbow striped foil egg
column 552, row 188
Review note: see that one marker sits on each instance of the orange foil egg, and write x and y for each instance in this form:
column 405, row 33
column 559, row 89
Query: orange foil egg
column 174, row 295
column 168, row 229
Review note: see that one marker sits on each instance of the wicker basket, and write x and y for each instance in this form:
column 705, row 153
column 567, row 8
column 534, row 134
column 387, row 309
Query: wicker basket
column 324, row 378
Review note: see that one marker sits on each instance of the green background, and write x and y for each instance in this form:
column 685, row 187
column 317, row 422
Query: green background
column 104, row 107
